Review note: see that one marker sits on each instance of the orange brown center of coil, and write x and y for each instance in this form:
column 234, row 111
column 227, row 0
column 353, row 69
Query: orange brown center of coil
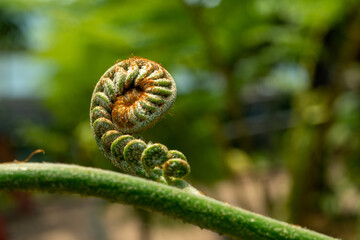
column 124, row 106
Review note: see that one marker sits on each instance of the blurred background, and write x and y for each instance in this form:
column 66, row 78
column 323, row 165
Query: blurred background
column 267, row 113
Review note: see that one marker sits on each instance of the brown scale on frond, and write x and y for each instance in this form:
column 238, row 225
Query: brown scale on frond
column 123, row 105
column 146, row 83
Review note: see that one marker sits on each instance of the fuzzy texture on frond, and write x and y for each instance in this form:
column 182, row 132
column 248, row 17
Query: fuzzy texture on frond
column 130, row 97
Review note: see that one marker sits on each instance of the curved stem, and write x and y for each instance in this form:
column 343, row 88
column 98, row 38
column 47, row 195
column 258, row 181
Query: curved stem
column 115, row 187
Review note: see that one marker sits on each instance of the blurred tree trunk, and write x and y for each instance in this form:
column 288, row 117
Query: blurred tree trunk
column 341, row 46
column 145, row 224
column 217, row 62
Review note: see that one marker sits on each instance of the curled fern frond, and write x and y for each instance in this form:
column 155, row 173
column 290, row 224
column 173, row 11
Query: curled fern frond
column 130, row 97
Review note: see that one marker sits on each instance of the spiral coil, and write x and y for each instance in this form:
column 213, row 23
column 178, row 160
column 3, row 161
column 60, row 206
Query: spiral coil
column 130, row 97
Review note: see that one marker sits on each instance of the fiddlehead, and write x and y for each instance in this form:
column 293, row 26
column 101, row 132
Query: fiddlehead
column 130, row 97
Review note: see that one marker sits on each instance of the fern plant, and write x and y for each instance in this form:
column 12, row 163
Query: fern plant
column 130, row 97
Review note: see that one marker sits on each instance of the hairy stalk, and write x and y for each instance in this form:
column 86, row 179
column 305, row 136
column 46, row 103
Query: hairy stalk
column 116, row 187
column 130, row 97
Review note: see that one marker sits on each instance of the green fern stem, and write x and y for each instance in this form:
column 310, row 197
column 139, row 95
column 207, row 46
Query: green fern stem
column 130, row 97
column 123, row 188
